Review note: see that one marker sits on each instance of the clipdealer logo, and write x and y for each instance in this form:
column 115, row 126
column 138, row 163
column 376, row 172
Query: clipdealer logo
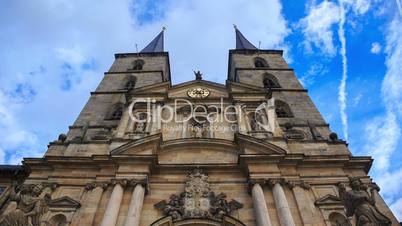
column 198, row 113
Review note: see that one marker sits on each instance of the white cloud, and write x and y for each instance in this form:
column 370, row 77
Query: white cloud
column 390, row 184
column 73, row 55
column 375, row 48
column 399, row 5
column 46, row 45
column 317, row 26
column 315, row 70
column 13, row 137
column 392, row 83
column 384, row 132
column 396, row 207
column 357, row 99
column 359, row 6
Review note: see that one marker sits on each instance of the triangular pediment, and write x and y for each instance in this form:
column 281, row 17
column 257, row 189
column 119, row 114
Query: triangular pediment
column 198, row 151
column 254, row 146
column 216, row 90
column 328, row 200
column 64, row 202
column 150, row 89
column 144, row 146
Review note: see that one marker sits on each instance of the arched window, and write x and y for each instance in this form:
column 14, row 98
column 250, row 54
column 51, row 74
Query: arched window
column 282, row 109
column 58, row 220
column 260, row 62
column 138, row 64
column 338, row 219
column 270, row 81
column 116, row 112
column 258, row 120
column 130, row 84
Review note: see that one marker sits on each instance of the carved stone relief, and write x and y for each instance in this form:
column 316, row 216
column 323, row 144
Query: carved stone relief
column 30, row 206
column 293, row 134
column 361, row 204
column 197, row 200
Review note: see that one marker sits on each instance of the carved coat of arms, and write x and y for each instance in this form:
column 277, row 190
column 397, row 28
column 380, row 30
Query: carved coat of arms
column 197, row 200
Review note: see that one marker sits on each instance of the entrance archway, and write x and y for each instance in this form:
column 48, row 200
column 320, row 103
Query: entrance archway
column 227, row 221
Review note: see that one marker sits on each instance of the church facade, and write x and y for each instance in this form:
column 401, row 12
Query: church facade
column 144, row 152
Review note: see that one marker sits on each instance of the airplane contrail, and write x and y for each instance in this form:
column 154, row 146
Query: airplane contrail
column 342, row 87
column 398, row 3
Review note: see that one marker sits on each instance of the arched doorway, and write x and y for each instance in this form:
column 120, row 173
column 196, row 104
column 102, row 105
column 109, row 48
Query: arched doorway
column 338, row 219
column 227, row 221
column 58, row 220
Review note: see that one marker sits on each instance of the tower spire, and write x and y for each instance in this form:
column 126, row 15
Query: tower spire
column 156, row 45
column 241, row 41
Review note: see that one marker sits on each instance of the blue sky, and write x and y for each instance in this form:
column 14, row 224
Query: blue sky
column 54, row 52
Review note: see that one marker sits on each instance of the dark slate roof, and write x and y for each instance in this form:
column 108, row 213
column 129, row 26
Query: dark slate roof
column 10, row 167
column 242, row 42
column 155, row 45
column 10, row 171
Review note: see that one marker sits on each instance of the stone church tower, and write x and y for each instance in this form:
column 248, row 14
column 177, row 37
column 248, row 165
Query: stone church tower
column 144, row 152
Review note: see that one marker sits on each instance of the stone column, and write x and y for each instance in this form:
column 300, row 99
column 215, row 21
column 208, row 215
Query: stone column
column 260, row 206
column 305, row 205
column 211, row 128
column 154, row 122
column 157, row 117
column 113, row 206
column 282, row 206
column 135, row 207
column 91, row 203
column 185, row 125
column 241, row 120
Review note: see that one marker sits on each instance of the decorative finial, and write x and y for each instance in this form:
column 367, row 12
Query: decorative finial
column 198, row 75
column 234, row 25
column 164, row 28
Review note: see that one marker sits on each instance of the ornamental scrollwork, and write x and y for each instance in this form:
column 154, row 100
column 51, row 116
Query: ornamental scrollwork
column 198, row 200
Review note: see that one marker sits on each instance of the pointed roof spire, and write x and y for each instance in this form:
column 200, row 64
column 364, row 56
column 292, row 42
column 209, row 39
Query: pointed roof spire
column 156, row 45
column 241, row 41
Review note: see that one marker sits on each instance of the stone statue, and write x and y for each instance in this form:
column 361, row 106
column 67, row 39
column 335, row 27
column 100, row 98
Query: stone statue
column 30, row 206
column 198, row 130
column 360, row 203
column 253, row 123
column 140, row 126
column 198, row 75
